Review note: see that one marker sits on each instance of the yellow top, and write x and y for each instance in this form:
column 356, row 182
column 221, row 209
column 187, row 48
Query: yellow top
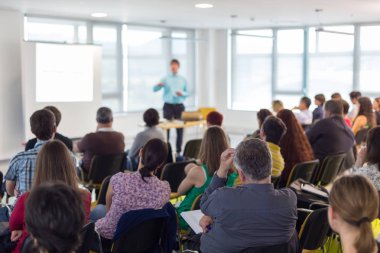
column 277, row 159
column 360, row 122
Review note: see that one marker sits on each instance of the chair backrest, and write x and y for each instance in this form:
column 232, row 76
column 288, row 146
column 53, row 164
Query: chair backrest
column 197, row 203
column 330, row 168
column 87, row 237
column 105, row 165
column 103, row 191
column 192, row 148
column 170, row 154
column 141, row 238
column 314, row 230
column 292, row 246
column 174, row 173
column 303, row 170
column 361, row 136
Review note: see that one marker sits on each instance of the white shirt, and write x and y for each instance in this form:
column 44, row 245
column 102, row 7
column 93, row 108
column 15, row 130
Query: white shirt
column 304, row 117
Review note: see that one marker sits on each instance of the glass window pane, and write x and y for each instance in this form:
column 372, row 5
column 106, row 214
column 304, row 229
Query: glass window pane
column 254, row 42
column 370, row 38
column 113, row 103
column 142, row 42
column 332, row 39
column 290, row 41
column 369, row 73
column 109, row 75
column 107, row 37
column 329, row 74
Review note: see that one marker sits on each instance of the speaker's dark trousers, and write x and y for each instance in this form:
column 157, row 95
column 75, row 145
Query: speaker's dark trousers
column 174, row 111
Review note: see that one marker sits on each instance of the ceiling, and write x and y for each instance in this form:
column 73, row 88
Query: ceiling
column 181, row 13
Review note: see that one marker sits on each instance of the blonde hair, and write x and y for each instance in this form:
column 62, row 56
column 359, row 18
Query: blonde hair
column 356, row 201
column 214, row 143
column 55, row 164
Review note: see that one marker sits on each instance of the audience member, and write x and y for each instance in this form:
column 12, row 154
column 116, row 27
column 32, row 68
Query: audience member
column 354, row 96
column 151, row 119
column 346, row 108
column 19, row 176
column 54, row 217
column 277, row 106
column 214, row 119
column 336, row 96
column 58, row 116
column 105, row 141
column 305, row 116
column 198, row 178
column 366, row 117
column 261, row 116
column 319, row 101
column 272, row 131
column 134, row 191
column 295, row 147
column 376, row 108
column 368, row 160
column 354, row 203
column 331, row 135
column 251, row 215
column 54, row 164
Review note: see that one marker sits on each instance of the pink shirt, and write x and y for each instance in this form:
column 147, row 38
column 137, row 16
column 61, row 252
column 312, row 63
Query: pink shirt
column 130, row 192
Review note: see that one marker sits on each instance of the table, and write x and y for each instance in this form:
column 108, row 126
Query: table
column 176, row 124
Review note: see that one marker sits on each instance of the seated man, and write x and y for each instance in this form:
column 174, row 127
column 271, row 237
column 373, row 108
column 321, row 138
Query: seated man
column 251, row 215
column 305, row 116
column 331, row 135
column 19, row 176
column 272, row 131
column 57, row 114
column 54, row 218
column 105, row 141
column 151, row 119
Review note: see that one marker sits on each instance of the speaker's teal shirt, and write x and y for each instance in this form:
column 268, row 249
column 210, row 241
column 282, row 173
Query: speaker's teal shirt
column 173, row 83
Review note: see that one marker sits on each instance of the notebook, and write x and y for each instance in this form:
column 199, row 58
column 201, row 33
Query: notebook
column 313, row 190
column 192, row 218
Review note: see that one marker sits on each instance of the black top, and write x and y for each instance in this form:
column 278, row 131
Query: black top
column 377, row 118
column 67, row 141
column 330, row 136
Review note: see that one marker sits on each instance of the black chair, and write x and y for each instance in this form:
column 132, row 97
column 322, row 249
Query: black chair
column 329, row 169
column 303, row 170
column 141, row 238
column 87, row 236
column 361, row 136
column 103, row 191
column 192, row 148
column 315, row 229
column 103, row 166
column 174, row 173
column 289, row 247
column 197, row 203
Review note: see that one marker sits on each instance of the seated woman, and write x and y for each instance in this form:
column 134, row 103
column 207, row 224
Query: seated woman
column 368, row 161
column 137, row 190
column 354, row 203
column 198, row 178
column 366, row 117
column 54, row 164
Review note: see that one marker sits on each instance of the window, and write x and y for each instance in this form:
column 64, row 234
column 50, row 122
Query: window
column 290, row 47
column 331, row 60
column 251, row 69
column 147, row 53
column 134, row 58
column 369, row 59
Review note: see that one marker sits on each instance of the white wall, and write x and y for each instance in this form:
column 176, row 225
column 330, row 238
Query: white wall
column 11, row 123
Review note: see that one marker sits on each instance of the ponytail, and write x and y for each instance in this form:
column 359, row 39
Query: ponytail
column 365, row 242
column 154, row 154
column 145, row 172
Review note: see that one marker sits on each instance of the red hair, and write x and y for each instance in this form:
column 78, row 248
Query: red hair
column 214, row 118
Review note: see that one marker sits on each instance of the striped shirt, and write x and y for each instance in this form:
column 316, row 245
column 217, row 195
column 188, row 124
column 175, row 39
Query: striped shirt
column 277, row 159
column 21, row 168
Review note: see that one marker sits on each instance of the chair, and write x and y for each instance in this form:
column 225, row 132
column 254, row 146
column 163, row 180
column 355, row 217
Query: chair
column 103, row 191
column 87, row 237
column 330, row 168
column 205, row 111
column 103, row 166
column 192, row 148
column 174, row 173
column 197, row 203
column 315, row 229
column 303, row 170
column 289, row 247
column 361, row 136
column 141, row 238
